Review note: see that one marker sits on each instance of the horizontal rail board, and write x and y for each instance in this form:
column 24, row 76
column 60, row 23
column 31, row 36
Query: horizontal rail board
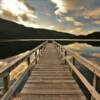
column 12, row 89
column 91, row 89
column 88, row 64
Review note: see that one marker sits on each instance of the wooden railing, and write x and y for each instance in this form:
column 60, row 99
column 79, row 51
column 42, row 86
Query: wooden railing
column 70, row 57
column 5, row 71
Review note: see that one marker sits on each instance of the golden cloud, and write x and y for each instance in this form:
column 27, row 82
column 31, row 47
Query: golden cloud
column 61, row 6
column 64, row 5
column 78, row 46
column 18, row 11
column 78, row 31
column 75, row 22
column 85, row 9
column 94, row 13
column 97, row 22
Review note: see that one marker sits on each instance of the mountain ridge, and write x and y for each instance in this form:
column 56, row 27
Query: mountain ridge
column 11, row 30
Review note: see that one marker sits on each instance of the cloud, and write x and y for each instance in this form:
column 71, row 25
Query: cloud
column 63, row 6
column 60, row 5
column 94, row 13
column 78, row 14
column 17, row 11
column 59, row 20
column 81, row 8
column 49, row 27
column 97, row 22
column 75, row 22
column 77, row 31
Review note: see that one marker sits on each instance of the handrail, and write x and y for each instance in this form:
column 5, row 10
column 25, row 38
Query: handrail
column 4, row 72
column 14, row 64
column 14, row 86
column 88, row 64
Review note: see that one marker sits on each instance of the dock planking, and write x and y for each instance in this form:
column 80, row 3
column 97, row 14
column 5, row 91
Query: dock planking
column 50, row 80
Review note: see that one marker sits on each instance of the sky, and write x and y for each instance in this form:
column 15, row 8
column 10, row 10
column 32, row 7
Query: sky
column 79, row 17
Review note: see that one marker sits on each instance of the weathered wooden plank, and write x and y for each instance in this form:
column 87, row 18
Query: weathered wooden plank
column 50, row 97
column 52, row 86
column 52, row 81
column 51, row 74
column 51, row 91
column 50, row 78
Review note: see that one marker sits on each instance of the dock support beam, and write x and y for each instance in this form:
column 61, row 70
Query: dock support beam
column 29, row 62
column 6, row 80
column 65, row 55
column 36, row 57
column 94, row 84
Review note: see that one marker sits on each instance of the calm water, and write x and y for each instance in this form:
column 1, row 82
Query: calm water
column 86, row 50
column 8, row 49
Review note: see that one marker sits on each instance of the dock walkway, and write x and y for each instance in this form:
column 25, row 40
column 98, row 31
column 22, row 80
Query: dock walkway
column 50, row 80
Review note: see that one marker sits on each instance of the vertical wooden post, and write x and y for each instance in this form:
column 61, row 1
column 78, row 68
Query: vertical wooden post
column 73, row 61
column 60, row 52
column 41, row 50
column 28, row 62
column 39, row 53
column 94, row 84
column 35, row 57
column 6, row 81
column 65, row 56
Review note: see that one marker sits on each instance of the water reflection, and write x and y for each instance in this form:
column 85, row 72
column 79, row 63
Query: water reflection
column 78, row 46
column 88, row 51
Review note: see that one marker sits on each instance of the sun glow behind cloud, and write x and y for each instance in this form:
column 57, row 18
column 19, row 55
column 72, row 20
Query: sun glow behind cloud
column 18, row 7
column 17, row 11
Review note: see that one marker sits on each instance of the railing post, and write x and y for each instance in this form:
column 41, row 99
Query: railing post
column 6, row 81
column 61, row 52
column 28, row 62
column 65, row 56
column 73, row 61
column 94, row 84
column 35, row 57
column 39, row 53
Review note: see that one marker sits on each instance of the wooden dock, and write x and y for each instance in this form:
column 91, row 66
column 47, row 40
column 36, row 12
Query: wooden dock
column 51, row 80
column 50, row 76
